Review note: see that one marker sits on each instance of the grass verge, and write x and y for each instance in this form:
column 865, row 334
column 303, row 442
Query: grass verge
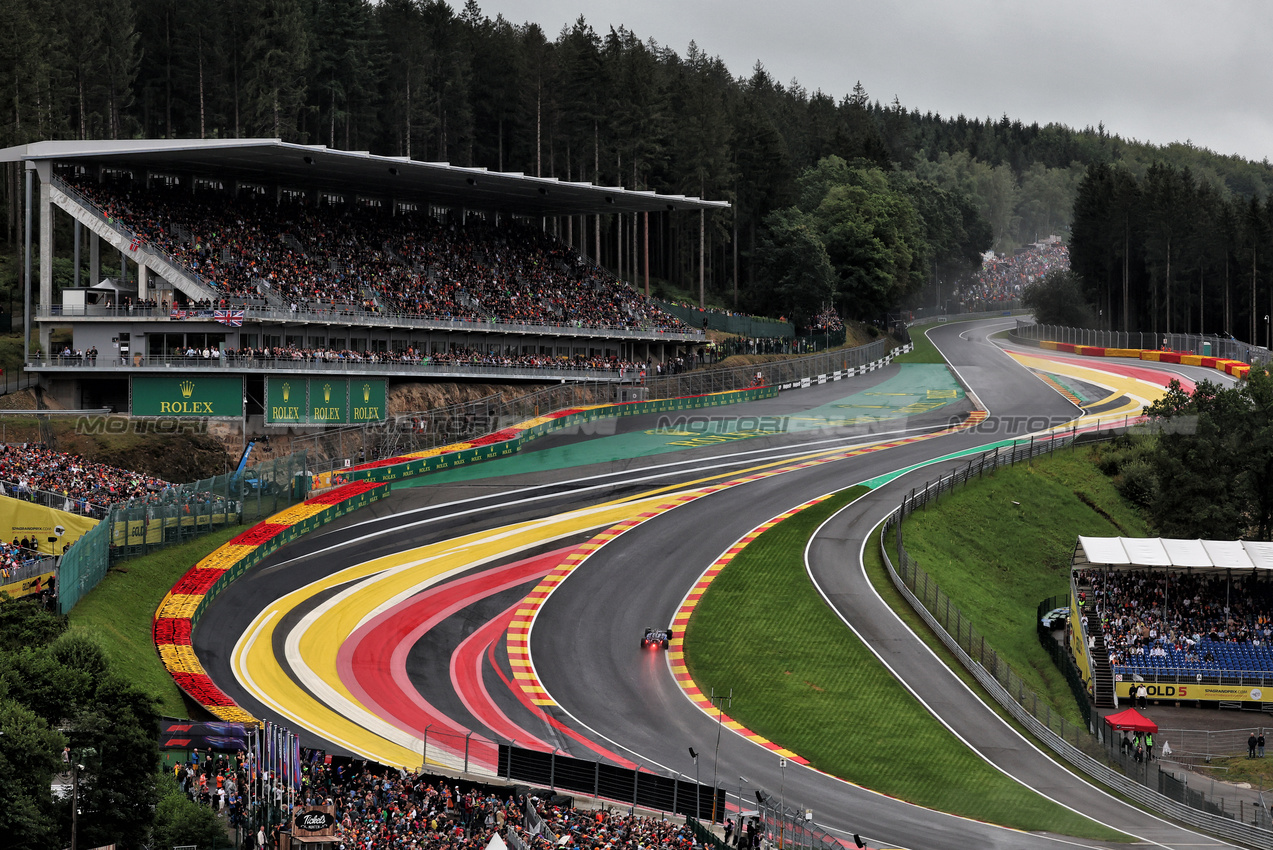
column 119, row 611
column 803, row 680
column 1001, row 545
column 922, row 349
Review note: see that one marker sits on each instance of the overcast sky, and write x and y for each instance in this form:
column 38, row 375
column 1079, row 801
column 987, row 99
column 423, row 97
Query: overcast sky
column 1153, row 71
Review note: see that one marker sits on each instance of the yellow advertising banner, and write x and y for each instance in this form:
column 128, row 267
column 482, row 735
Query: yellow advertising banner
column 1196, row 690
column 28, row 586
column 20, row 519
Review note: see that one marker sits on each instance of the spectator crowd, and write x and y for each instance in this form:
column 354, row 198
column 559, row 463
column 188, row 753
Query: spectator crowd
column 85, row 486
column 377, row 808
column 292, row 250
column 14, row 556
column 455, row 355
column 1173, row 618
column 1003, row 279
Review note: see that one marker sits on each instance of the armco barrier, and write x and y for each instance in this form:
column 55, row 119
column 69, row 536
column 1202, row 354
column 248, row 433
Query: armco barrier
column 185, row 603
column 510, row 440
column 1030, row 334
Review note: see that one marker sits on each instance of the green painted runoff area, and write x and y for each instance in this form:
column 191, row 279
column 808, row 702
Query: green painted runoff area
column 917, row 388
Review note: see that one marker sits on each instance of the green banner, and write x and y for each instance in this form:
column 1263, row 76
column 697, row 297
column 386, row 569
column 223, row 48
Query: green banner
column 366, row 400
column 298, row 400
column 193, row 395
column 328, row 401
column 286, row 401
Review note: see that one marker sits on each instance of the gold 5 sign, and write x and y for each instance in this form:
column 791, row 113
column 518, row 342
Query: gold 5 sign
column 214, row 396
column 1194, row 690
column 297, row 400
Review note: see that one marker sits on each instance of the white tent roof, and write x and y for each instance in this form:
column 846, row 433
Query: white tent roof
column 1133, row 552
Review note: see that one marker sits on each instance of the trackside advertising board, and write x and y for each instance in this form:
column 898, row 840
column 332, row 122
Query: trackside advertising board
column 297, row 400
column 1195, row 690
column 208, row 396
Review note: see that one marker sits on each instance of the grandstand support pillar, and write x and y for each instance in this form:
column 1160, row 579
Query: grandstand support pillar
column 702, row 252
column 75, row 228
column 26, row 273
column 645, row 222
column 143, row 281
column 44, row 169
column 94, row 259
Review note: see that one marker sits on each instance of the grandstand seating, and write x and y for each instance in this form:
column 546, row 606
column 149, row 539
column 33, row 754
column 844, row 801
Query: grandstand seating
column 1184, row 624
column 292, row 251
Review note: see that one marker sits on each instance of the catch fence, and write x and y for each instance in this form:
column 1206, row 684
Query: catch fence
column 1206, row 345
column 176, row 515
column 1224, row 811
column 786, row 827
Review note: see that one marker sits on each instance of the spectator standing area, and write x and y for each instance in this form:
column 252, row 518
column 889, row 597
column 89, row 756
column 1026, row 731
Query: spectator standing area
column 252, row 256
column 1189, row 620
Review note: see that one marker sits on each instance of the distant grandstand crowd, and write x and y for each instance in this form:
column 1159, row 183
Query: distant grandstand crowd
column 382, row 809
column 15, row 555
column 293, row 251
column 1004, row 279
column 1194, row 621
column 455, row 355
column 85, row 487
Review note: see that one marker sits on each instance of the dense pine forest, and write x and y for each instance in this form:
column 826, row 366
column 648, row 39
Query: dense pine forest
column 840, row 198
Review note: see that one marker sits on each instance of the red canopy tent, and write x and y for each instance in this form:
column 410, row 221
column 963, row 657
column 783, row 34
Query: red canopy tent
column 1131, row 719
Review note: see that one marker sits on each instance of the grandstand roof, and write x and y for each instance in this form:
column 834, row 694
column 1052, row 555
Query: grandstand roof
column 1163, row 553
column 273, row 161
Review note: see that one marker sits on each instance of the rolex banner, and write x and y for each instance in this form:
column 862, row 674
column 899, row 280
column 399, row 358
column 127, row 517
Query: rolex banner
column 296, row 400
column 286, row 400
column 366, row 400
column 218, row 396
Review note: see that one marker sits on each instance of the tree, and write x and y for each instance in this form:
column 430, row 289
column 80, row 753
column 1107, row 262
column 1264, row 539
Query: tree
column 181, row 822
column 277, row 53
column 795, row 262
column 28, row 762
column 1213, row 459
column 1057, row 299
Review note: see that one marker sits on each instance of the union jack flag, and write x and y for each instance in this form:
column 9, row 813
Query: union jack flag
column 233, row 318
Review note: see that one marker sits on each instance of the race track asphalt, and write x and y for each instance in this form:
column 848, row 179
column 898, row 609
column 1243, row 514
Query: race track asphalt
column 585, row 639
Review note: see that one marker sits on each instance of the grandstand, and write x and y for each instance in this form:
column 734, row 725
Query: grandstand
column 239, row 258
column 1191, row 619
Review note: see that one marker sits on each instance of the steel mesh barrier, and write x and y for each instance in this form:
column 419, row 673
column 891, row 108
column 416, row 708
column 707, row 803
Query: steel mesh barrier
column 179, row 514
column 83, row 566
column 1230, row 815
column 1206, row 345
column 785, row 827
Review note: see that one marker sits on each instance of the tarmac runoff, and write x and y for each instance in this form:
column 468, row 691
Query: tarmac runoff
column 1129, row 388
column 917, row 388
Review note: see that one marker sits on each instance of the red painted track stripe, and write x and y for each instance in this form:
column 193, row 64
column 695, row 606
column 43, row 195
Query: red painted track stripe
column 360, row 662
column 470, row 685
column 1152, row 376
column 530, row 706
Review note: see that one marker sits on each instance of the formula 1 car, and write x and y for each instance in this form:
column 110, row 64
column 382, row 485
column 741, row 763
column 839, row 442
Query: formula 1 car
column 656, row 638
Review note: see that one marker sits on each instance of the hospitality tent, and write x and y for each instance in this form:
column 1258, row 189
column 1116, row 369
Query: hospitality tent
column 1131, row 720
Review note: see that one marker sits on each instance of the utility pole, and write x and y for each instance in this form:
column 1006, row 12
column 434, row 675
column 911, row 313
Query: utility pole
column 720, row 711
column 698, row 788
column 782, row 796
